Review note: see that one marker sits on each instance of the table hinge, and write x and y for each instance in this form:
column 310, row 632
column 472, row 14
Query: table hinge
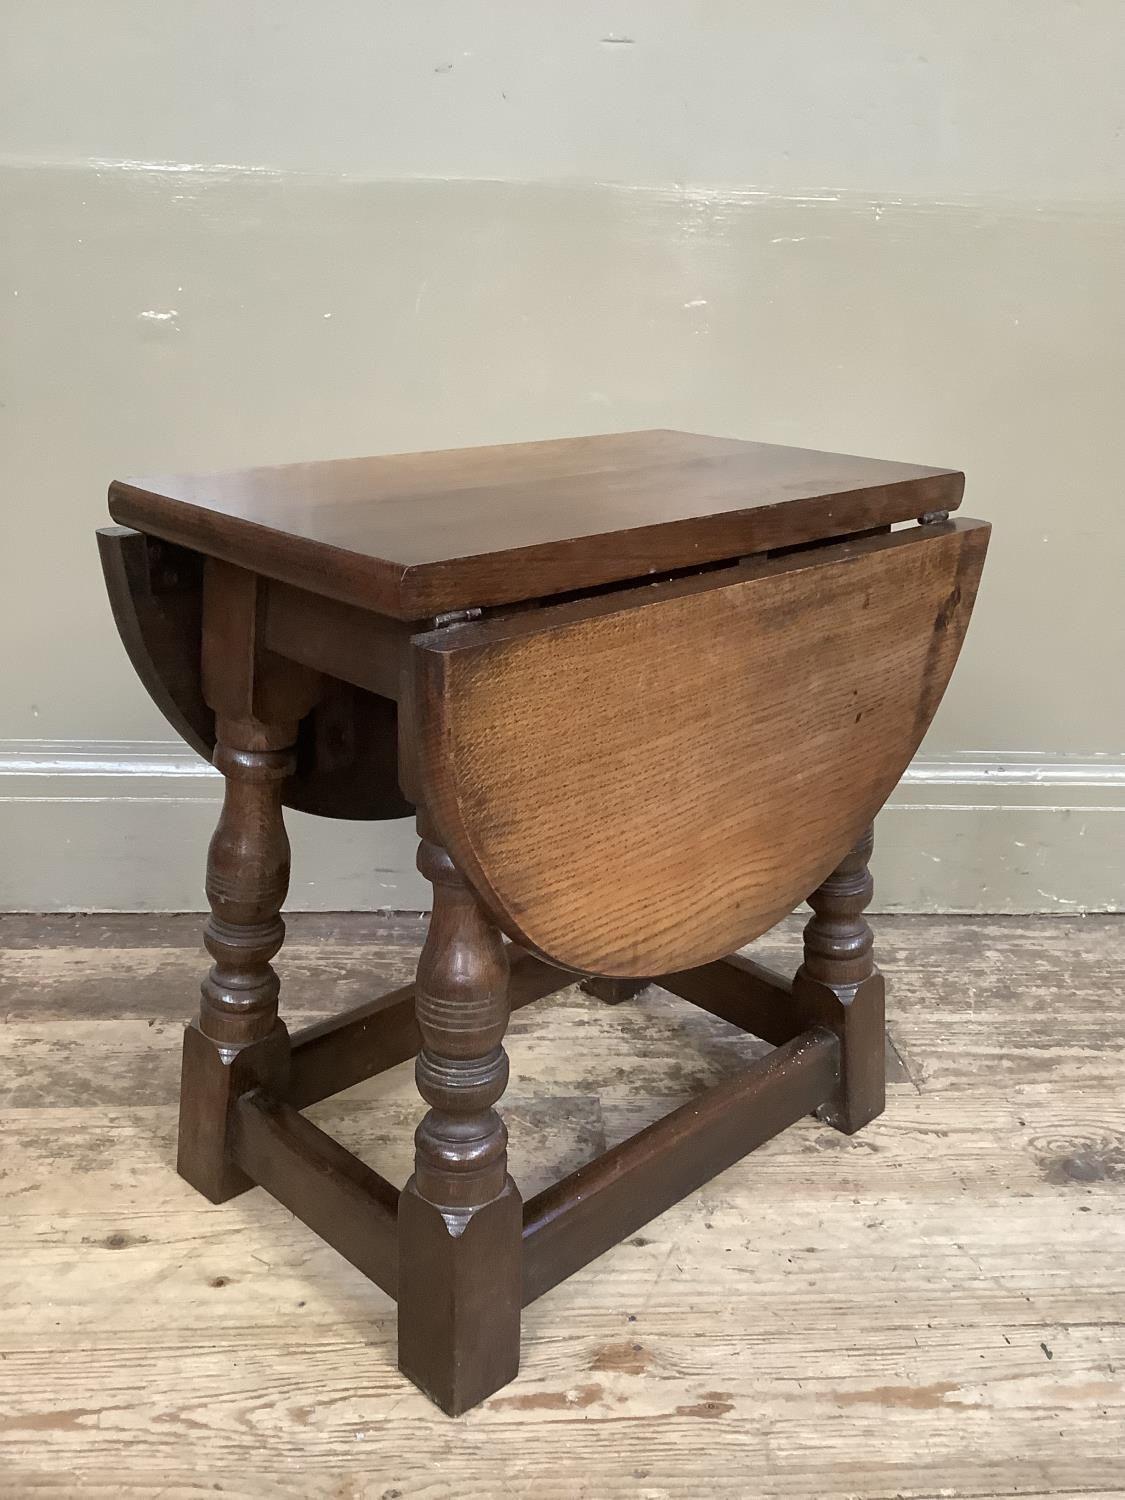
column 455, row 617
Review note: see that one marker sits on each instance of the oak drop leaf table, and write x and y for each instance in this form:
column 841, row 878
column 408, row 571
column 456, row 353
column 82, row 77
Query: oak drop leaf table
column 645, row 693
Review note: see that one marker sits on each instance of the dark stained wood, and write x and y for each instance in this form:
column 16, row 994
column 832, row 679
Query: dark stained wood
column 648, row 780
column 341, row 640
column 347, row 744
column 243, row 682
column 247, row 877
column 745, row 993
column 213, row 1077
column 347, row 753
column 344, row 1050
column 586, row 1213
column 156, row 594
column 416, row 535
column 631, row 781
column 339, row 1197
column 238, row 1040
column 839, row 985
column 460, row 1214
column 347, row 757
column 751, row 996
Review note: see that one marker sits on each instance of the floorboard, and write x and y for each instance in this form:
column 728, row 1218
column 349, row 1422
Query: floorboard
column 934, row 1307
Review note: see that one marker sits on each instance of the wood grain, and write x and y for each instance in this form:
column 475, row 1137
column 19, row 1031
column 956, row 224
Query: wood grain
column 935, row 1306
column 582, row 1216
column 420, row 534
column 697, row 794
column 330, row 1190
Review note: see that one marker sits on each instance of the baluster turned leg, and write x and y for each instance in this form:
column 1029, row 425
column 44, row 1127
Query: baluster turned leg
column 839, row 986
column 460, row 1215
column 238, row 1042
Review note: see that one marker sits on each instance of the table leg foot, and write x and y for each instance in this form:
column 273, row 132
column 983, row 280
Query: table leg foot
column 459, row 1297
column 212, row 1081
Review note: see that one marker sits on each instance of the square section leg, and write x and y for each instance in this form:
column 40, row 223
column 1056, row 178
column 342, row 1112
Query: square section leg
column 459, row 1297
column 213, row 1078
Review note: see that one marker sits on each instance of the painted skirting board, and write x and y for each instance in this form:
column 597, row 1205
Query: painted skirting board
column 124, row 825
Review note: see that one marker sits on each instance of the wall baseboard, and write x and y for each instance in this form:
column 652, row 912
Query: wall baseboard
column 123, row 826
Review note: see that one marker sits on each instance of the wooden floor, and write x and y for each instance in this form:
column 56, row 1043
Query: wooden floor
column 935, row 1307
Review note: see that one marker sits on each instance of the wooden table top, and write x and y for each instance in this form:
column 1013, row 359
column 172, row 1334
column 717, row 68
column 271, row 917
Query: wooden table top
column 419, row 534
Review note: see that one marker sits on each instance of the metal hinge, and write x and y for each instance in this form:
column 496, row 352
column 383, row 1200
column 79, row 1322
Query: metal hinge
column 455, row 617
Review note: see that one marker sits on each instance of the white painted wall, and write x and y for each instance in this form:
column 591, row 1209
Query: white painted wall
column 241, row 231
column 1019, row 98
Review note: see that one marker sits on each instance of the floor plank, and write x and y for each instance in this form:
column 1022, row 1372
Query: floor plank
column 935, row 1307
